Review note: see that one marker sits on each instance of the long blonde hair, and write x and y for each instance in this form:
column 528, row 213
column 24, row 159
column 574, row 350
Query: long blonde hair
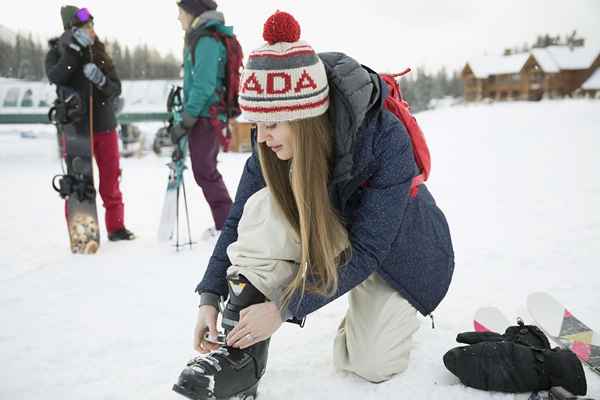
column 299, row 187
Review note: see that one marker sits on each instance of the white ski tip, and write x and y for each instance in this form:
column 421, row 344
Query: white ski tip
column 490, row 319
column 546, row 311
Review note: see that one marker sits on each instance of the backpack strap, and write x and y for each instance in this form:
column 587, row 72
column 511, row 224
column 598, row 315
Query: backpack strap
column 196, row 36
column 400, row 108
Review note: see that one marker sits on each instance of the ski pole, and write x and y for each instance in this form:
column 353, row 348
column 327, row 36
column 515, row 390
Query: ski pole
column 177, row 221
column 187, row 214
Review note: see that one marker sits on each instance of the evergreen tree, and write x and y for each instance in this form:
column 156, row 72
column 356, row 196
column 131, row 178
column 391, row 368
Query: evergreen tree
column 126, row 67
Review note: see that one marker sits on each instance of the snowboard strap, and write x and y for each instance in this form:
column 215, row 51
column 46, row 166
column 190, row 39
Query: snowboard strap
column 69, row 185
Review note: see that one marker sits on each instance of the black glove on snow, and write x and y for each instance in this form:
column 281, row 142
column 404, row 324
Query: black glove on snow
column 515, row 368
column 527, row 335
column 518, row 361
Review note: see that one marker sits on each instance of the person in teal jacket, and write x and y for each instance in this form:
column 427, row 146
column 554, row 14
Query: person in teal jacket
column 203, row 117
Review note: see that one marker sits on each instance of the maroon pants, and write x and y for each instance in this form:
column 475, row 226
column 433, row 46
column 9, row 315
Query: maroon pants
column 106, row 152
column 204, row 148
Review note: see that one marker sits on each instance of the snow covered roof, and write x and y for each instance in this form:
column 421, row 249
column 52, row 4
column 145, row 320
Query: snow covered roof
column 555, row 58
column 593, row 82
column 545, row 60
column 551, row 59
column 146, row 95
column 485, row 66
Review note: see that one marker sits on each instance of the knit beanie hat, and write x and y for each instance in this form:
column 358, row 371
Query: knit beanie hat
column 70, row 18
column 67, row 13
column 197, row 7
column 284, row 80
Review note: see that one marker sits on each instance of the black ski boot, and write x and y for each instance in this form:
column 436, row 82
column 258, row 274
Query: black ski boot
column 121, row 234
column 228, row 372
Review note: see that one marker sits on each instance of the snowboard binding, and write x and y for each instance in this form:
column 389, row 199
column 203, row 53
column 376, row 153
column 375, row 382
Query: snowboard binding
column 67, row 109
column 70, row 185
column 228, row 373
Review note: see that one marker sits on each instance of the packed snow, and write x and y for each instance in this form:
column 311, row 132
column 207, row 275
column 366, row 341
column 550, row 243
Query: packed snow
column 519, row 183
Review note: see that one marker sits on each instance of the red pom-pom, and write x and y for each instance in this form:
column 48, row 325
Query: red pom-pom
column 281, row 27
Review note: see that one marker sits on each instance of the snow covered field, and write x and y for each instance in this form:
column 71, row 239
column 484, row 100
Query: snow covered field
column 519, row 183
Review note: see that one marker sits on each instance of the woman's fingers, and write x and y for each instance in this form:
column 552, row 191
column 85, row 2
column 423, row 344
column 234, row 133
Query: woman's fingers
column 244, row 340
column 238, row 334
column 247, row 341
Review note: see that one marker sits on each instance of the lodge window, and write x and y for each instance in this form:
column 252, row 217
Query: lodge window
column 27, row 100
column 11, row 99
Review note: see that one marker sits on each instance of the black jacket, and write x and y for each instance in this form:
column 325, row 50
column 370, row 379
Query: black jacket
column 64, row 67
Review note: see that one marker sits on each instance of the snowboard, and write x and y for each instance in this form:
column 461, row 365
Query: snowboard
column 76, row 186
column 565, row 329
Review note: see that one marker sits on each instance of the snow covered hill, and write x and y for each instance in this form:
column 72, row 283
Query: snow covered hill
column 519, row 183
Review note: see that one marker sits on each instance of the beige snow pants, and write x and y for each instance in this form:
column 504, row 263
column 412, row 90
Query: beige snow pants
column 374, row 338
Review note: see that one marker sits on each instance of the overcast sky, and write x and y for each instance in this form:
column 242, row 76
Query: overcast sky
column 385, row 34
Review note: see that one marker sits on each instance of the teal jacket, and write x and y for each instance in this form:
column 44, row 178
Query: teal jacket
column 204, row 79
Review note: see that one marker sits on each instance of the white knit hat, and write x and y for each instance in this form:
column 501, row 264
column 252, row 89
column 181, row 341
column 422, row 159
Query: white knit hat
column 284, row 80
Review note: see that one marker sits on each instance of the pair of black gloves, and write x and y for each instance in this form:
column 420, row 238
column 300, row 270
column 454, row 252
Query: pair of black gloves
column 518, row 361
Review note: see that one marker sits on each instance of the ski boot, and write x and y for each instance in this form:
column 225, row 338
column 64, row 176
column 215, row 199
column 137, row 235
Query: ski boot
column 228, row 372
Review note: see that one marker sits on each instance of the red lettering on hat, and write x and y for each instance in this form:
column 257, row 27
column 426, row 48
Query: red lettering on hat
column 305, row 82
column 252, row 85
column 287, row 82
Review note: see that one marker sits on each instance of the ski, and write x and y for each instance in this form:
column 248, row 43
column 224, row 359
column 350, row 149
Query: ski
column 490, row 319
column 169, row 220
column 565, row 329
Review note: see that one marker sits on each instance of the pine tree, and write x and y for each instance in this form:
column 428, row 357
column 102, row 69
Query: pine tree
column 126, row 67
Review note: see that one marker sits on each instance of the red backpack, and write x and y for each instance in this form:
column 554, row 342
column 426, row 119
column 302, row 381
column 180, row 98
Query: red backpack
column 400, row 108
column 233, row 70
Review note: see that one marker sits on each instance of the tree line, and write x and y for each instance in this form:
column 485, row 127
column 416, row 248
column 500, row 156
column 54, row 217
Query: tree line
column 542, row 41
column 24, row 59
column 419, row 88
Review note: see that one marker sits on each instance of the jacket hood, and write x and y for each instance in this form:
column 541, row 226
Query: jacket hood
column 356, row 95
column 209, row 20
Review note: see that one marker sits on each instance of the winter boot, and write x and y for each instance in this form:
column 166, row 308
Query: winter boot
column 228, row 372
column 121, row 234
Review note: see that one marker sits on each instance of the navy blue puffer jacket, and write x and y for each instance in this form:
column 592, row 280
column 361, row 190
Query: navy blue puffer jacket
column 406, row 240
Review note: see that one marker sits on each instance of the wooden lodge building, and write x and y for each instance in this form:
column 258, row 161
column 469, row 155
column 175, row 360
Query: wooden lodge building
column 554, row 71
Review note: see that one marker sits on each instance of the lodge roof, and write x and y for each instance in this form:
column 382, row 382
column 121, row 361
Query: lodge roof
column 593, row 82
column 550, row 59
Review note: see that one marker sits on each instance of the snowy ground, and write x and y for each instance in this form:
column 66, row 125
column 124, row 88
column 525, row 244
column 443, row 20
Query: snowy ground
column 519, row 183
